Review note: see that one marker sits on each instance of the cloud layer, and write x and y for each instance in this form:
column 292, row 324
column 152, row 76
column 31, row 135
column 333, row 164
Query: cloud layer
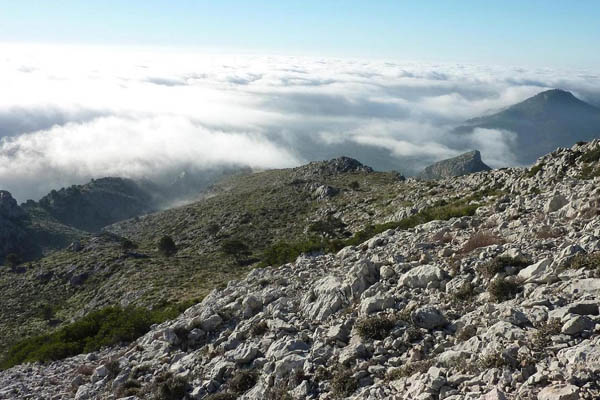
column 68, row 114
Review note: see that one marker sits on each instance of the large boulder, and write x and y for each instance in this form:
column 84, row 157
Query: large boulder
column 422, row 276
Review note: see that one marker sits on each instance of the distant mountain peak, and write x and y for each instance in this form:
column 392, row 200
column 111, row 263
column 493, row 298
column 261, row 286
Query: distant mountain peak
column 554, row 97
column 550, row 119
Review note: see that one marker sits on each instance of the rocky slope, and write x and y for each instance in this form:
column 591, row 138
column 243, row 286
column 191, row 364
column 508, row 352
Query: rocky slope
column 463, row 164
column 502, row 304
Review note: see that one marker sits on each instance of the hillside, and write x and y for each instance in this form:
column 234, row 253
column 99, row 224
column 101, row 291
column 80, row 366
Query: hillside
column 260, row 210
column 550, row 119
column 499, row 303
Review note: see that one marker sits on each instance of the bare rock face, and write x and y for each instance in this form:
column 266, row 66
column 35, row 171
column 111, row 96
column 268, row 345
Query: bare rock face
column 12, row 233
column 464, row 164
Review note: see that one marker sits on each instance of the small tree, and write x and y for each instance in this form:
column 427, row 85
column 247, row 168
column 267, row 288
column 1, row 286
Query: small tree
column 354, row 185
column 166, row 246
column 127, row 245
column 235, row 248
column 12, row 260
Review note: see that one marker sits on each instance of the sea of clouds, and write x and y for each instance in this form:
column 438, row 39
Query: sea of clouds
column 68, row 114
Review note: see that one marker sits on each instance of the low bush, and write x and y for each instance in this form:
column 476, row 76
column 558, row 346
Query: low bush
column 284, row 252
column 375, row 328
column 591, row 155
column 105, row 327
column 409, row 369
column 354, row 185
column 501, row 289
column 343, row 384
column 534, row 170
column 12, row 260
column 543, row 336
column 172, row 387
column 327, row 227
column 498, row 264
column 236, row 248
column 589, row 172
column 243, row 381
column 590, row 262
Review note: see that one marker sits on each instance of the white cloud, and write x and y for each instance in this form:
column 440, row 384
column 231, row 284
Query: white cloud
column 71, row 113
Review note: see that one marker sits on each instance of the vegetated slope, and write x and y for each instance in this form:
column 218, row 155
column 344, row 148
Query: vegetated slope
column 550, row 119
column 257, row 211
column 463, row 164
column 501, row 302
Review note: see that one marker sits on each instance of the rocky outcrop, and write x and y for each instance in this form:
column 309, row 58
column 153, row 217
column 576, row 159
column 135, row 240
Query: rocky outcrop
column 13, row 235
column 463, row 164
column 332, row 167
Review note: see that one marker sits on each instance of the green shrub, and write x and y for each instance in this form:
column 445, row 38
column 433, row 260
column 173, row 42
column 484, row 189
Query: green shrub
column 591, row 155
column 503, row 289
column 127, row 244
column 354, row 185
column 491, row 268
column 534, row 170
column 236, row 248
column 327, row 226
column 166, row 246
column 284, row 252
column 589, row 262
column 376, row 328
column 171, row 387
column 543, row 336
column 409, row 369
column 589, row 172
column 243, row 381
column 105, row 327
column 343, row 384
column 12, row 260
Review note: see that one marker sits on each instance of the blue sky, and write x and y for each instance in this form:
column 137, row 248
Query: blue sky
column 551, row 33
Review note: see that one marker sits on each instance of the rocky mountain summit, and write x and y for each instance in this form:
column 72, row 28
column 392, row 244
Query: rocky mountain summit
column 501, row 302
column 463, row 164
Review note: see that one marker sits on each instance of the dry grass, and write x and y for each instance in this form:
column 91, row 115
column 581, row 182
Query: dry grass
column 480, row 239
column 547, row 232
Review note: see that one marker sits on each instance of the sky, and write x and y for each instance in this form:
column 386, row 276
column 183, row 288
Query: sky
column 549, row 33
column 149, row 89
